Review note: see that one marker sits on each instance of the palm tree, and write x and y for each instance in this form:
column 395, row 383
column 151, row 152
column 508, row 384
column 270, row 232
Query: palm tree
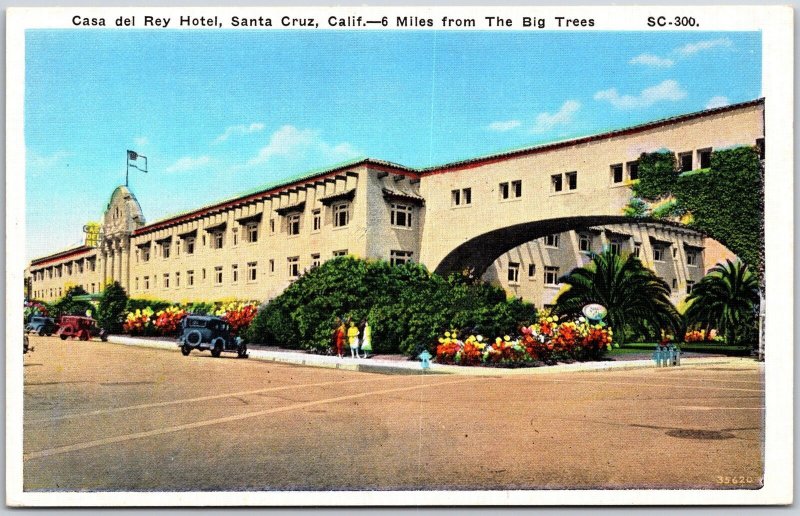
column 725, row 299
column 636, row 299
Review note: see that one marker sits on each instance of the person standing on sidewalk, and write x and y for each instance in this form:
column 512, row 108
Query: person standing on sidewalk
column 339, row 337
column 366, row 338
column 352, row 337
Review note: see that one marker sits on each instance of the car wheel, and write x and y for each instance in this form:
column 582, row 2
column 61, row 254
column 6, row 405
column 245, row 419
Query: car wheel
column 185, row 350
column 84, row 335
column 63, row 337
column 194, row 337
column 242, row 351
column 219, row 345
column 104, row 336
column 41, row 332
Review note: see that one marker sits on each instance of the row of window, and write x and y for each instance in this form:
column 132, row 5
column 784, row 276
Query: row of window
column 551, row 274
column 58, row 291
column 56, row 271
column 513, row 189
column 615, row 244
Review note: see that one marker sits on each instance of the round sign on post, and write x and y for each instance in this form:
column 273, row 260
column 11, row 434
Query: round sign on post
column 594, row 311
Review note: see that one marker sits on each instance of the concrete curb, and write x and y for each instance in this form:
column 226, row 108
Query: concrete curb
column 412, row 367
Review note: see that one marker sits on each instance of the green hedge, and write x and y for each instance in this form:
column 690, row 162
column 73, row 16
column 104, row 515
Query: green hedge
column 725, row 201
column 407, row 307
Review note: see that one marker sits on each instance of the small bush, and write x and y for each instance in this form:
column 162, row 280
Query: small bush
column 112, row 306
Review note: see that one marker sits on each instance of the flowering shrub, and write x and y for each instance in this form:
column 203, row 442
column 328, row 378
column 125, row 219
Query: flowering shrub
column 239, row 315
column 168, row 321
column 33, row 309
column 138, row 322
column 702, row 336
column 547, row 340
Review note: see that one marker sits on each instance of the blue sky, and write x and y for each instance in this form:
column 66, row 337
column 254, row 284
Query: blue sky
column 220, row 112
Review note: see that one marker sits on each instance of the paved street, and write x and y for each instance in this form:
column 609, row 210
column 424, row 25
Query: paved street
column 101, row 416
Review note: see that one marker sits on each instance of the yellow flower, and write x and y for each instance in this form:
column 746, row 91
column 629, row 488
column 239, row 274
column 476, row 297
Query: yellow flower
column 506, row 338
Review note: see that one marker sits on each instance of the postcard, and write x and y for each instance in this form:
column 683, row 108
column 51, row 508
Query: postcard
column 386, row 256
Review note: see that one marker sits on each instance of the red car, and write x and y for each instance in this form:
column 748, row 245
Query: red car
column 82, row 328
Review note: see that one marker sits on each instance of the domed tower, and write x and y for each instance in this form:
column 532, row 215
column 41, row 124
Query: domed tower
column 122, row 217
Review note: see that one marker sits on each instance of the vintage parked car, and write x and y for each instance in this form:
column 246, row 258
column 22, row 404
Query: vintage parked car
column 41, row 325
column 79, row 327
column 212, row 333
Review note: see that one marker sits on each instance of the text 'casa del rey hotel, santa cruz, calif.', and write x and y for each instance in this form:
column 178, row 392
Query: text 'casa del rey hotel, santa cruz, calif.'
column 522, row 219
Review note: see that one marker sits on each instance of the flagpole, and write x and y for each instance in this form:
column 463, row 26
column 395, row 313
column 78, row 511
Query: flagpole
column 127, row 167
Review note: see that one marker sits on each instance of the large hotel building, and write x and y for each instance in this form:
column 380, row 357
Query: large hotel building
column 254, row 246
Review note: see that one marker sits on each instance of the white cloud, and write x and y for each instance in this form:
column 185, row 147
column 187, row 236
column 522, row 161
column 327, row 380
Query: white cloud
column 693, row 48
column 239, row 130
column 141, row 141
column 717, row 101
column 652, row 60
column 504, row 126
column 667, row 90
column 546, row 122
column 188, row 163
column 302, row 143
column 37, row 162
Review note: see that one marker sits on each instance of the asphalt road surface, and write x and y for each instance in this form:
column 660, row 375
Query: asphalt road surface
column 102, row 417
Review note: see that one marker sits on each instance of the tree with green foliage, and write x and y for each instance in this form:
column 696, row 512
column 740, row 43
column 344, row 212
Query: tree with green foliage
column 67, row 305
column 407, row 307
column 111, row 310
column 726, row 299
column 636, row 299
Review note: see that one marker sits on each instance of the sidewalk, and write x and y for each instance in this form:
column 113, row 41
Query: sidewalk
column 394, row 366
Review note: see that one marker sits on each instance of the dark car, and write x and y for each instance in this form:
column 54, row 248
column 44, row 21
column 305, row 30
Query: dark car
column 212, row 333
column 41, row 325
column 79, row 327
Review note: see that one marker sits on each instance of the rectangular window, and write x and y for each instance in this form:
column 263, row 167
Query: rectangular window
column 177, row 279
column 203, row 272
column 556, row 183
column 165, row 249
column 188, row 245
column 252, row 271
column 704, row 157
column 462, row 197
column 341, row 215
column 633, row 170
column 190, row 278
column 532, row 271
column 217, row 240
column 615, row 246
column 637, row 249
column 584, row 243
column 317, row 218
column 166, row 280
column 272, row 225
column 146, row 254
column 235, row 237
column 80, row 267
column 294, row 266
column 504, row 191
column 136, row 283
column 761, row 148
column 341, row 252
column 234, row 273
column 271, row 266
column 685, row 161
column 218, row 275
column 146, row 282
column 616, row 173
column 572, row 180
column 315, row 260
column 400, row 257
column 658, row 253
column 674, row 283
column 689, row 287
column 691, row 258
column 252, row 232
column 551, row 241
column 551, row 275
column 401, row 215
column 293, row 224
column 516, row 188
column 513, row 273
column 674, row 252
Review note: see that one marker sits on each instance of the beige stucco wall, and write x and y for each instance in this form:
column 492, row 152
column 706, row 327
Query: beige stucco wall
column 595, row 195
